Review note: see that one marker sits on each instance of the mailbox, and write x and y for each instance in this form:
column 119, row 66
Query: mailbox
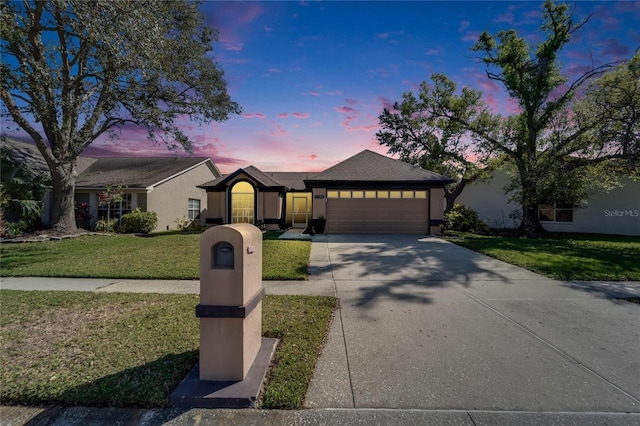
column 223, row 255
column 231, row 294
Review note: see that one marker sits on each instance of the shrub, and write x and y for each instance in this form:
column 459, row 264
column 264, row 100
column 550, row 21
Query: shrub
column 464, row 219
column 139, row 222
column 103, row 225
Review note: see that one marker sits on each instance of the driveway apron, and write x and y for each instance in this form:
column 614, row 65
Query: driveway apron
column 426, row 324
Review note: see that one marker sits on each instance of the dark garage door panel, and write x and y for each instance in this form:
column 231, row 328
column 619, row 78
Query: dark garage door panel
column 381, row 216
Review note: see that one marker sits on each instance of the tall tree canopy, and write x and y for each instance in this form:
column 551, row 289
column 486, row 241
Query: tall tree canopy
column 420, row 136
column 559, row 144
column 73, row 70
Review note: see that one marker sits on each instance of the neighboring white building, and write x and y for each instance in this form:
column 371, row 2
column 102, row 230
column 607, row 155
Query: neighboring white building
column 614, row 212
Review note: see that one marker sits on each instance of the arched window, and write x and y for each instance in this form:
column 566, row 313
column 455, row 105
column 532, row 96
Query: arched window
column 242, row 203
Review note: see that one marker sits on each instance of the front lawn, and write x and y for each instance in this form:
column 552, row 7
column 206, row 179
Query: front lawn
column 156, row 256
column 587, row 257
column 132, row 350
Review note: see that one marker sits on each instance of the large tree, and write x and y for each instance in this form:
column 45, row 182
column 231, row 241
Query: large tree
column 74, row 70
column 555, row 146
column 417, row 130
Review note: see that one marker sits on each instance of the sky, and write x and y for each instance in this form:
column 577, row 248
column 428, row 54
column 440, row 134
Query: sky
column 312, row 77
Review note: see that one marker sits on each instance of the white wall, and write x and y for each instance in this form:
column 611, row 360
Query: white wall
column 613, row 212
column 490, row 201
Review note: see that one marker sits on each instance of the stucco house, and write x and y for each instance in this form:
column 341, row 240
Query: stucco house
column 605, row 212
column 165, row 185
column 367, row 193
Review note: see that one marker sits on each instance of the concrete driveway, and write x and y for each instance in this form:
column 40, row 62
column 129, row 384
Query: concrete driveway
column 426, row 324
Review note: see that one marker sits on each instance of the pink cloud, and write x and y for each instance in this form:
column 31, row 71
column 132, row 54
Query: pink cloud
column 512, row 106
column 345, row 109
column 278, row 131
column 233, row 46
column 275, row 70
column 470, row 36
column 255, row 115
column 313, row 156
column 351, row 101
column 614, row 48
column 385, row 103
column 432, row 52
column 231, row 18
column 283, row 115
column 486, row 83
column 491, row 100
column 301, row 115
column 335, row 93
column 364, row 128
column 313, row 93
column 315, row 124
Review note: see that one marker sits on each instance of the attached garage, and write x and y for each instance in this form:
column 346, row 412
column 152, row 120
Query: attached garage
column 372, row 211
column 373, row 194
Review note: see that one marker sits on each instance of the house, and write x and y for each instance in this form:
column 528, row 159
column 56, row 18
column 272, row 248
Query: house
column 165, row 185
column 605, row 212
column 367, row 193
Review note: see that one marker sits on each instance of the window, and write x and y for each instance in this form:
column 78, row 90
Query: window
column 242, row 203
column 555, row 213
column 193, row 208
column 377, row 194
column 115, row 209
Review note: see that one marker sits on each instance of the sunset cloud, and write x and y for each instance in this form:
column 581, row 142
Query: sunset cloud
column 255, row 115
column 345, row 109
column 301, row 115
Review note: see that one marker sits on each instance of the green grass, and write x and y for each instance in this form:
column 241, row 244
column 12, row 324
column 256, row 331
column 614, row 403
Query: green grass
column 132, row 350
column 157, row 256
column 587, row 257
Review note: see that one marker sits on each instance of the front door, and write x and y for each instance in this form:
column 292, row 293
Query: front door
column 300, row 212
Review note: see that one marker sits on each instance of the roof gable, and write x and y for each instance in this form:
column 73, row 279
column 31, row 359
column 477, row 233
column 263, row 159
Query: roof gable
column 259, row 177
column 368, row 166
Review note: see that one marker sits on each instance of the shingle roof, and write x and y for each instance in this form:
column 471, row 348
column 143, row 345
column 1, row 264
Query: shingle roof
column 29, row 154
column 135, row 172
column 264, row 179
column 368, row 166
column 292, row 180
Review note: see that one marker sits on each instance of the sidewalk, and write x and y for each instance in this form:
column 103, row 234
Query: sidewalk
column 308, row 288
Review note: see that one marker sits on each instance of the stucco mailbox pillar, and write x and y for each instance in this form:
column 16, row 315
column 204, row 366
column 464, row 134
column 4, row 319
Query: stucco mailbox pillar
column 234, row 358
column 230, row 308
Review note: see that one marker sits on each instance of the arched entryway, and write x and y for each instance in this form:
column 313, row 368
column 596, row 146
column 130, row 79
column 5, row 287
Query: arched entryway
column 243, row 203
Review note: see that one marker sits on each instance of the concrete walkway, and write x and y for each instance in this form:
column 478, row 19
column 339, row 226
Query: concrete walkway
column 428, row 333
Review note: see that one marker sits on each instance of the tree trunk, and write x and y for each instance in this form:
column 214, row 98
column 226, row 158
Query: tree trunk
column 451, row 192
column 63, row 215
column 530, row 225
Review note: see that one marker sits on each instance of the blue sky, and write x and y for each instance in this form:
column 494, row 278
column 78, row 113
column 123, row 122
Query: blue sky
column 312, row 77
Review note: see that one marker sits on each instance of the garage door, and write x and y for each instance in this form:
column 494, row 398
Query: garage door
column 406, row 215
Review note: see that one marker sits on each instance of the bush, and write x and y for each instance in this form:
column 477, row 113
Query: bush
column 103, row 225
column 464, row 219
column 139, row 222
